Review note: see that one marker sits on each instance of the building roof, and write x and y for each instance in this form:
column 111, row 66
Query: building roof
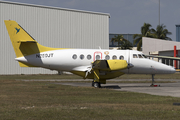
column 58, row 8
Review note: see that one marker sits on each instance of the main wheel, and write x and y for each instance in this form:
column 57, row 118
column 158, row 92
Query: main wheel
column 97, row 85
column 92, row 83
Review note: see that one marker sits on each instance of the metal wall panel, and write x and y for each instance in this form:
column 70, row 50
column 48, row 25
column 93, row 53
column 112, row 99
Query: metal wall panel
column 153, row 45
column 52, row 27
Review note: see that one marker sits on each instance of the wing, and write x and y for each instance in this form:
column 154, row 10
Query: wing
column 164, row 57
column 102, row 69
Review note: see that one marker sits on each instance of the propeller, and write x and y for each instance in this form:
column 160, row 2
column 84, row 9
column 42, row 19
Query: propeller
column 130, row 65
column 88, row 71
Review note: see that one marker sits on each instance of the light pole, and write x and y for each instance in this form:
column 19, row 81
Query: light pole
column 159, row 12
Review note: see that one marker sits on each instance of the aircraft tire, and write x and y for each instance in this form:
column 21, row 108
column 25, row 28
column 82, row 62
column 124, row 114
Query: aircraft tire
column 96, row 84
column 92, row 83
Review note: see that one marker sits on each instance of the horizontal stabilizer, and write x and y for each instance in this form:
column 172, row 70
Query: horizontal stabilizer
column 21, row 64
column 26, row 41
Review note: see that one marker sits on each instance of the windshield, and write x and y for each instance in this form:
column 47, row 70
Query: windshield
column 144, row 56
column 139, row 56
column 135, row 56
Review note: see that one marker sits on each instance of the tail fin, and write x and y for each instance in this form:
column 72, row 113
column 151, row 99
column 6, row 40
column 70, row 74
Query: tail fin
column 23, row 43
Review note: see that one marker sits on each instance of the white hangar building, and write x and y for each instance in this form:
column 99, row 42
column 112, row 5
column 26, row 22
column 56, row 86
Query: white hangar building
column 52, row 27
column 159, row 47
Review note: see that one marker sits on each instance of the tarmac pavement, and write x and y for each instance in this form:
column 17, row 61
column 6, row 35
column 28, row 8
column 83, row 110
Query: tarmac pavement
column 165, row 89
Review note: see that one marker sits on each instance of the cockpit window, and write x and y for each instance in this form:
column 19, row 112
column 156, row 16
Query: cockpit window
column 140, row 56
column 144, row 56
column 135, row 56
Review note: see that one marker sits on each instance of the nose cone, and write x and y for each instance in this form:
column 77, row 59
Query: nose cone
column 173, row 70
column 164, row 69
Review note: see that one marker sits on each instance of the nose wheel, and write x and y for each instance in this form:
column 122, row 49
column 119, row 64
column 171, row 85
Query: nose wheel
column 152, row 85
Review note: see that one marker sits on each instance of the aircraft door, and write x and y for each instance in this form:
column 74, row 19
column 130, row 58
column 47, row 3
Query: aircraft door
column 97, row 55
column 128, row 56
column 130, row 62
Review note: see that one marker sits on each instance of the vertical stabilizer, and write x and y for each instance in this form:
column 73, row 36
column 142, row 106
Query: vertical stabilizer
column 23, row 43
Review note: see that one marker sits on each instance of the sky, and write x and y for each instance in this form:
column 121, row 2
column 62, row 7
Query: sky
column 126, row 16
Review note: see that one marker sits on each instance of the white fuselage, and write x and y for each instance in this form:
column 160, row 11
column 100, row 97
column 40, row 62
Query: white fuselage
column 81, row 59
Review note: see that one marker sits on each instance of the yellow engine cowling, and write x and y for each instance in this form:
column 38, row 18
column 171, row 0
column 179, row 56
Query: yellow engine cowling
column 117, row 64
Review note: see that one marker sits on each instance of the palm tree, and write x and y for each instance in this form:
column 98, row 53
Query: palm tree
column 145, row 32
column 122, row 43
column 161, row 32
column 118, row 39
column 126, row 45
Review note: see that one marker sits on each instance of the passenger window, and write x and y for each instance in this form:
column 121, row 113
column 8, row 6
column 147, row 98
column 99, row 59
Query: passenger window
column 140, row 56
column 144, row 56
column 97, row 57
column 121, row 57
column 114, row 57
column 107, row 57
column 135, row 56
column 88, row 57
column 74, row 56
column 81, row 57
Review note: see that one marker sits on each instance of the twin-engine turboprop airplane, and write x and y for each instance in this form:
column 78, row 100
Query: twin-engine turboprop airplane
column 96, row 64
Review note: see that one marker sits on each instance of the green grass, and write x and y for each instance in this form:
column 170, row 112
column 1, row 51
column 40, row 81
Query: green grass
column 38, row 76
column 47, row 100
column 20, row 100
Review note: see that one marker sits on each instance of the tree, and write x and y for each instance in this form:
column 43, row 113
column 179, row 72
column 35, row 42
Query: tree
column 145, row 32
column 126, row 45
column 161, row 32
column 122, row 43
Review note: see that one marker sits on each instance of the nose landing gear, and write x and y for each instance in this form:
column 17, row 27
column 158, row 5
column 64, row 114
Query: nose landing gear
column 152, row 80
column 152, row 85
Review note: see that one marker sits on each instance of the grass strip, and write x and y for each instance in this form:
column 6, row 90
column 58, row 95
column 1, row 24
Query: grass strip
column 44, row 100
column 55, row 76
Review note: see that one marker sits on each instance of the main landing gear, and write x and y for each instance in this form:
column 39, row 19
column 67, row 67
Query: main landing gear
column 96, row 81
column 96, row 84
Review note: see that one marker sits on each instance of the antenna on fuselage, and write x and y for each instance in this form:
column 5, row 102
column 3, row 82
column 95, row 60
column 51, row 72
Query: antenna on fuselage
column 100, row 47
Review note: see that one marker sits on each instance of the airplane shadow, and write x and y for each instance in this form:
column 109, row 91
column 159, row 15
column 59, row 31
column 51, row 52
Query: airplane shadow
column 133, row 86
column 111, row 87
